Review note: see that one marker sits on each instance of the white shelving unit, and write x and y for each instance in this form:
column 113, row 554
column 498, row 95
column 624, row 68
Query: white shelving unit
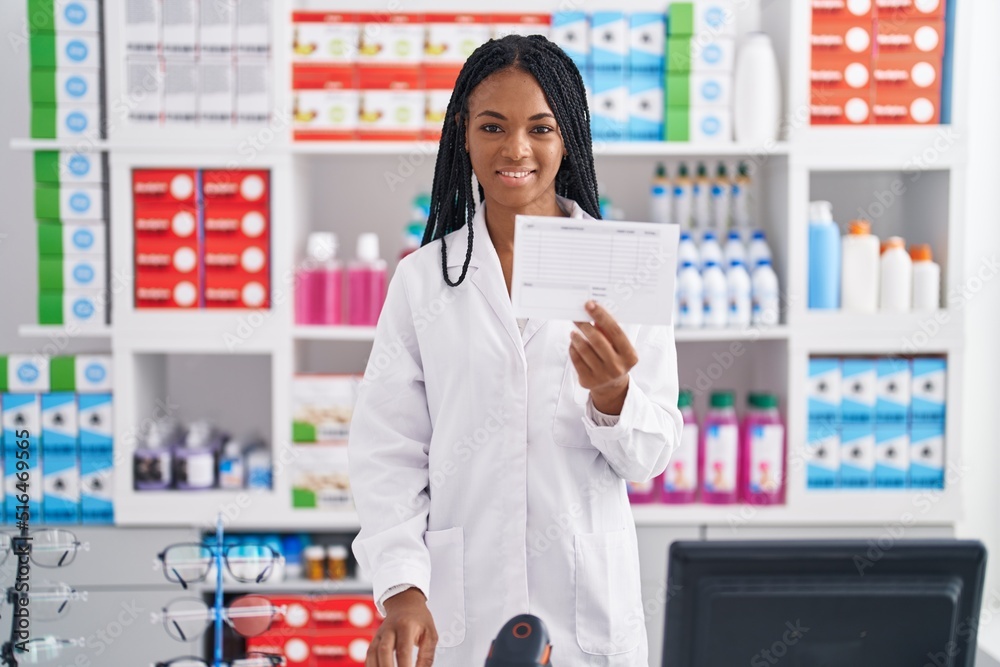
column 341, row 187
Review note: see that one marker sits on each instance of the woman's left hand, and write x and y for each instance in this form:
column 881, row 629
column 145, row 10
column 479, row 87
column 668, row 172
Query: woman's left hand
column 603, row 355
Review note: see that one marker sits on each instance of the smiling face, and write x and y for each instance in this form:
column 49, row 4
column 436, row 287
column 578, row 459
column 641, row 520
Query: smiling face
column 514, row 143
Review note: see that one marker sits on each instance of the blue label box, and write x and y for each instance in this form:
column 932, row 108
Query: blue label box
column 892, row 401
column 824, row 389
column 645, row 119
column 609, row 113
column 823, row 456
column 647, row 45
column 21, row 435
column 60, row 463
column 857, row 456
column 858, row 391
column 892, row 456
column 927, row 455
column 571, row 31
column 929, row 389
column 609, row 40
column 96, row 459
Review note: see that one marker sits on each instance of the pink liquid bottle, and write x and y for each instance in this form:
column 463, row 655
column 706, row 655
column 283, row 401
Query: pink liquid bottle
column 762, row 454
column 366, row 283
column 319, row 283
column 719, row 452
column 680, row 480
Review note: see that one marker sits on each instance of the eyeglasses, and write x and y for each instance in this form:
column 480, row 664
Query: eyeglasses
column 191, row 563
column 48, row 547
column 252, row 660
column 42, row 649
column 186, row 619
column 50, row 601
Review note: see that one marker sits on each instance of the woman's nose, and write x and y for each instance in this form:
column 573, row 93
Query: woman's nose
column 516, row 146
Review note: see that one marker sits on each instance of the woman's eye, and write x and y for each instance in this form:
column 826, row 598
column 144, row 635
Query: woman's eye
column 542, row 129
column 492, row 129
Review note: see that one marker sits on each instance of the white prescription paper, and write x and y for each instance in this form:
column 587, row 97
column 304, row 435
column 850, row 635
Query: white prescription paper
column 561, row 263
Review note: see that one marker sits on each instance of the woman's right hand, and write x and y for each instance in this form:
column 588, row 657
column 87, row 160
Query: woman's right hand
column 407, row 623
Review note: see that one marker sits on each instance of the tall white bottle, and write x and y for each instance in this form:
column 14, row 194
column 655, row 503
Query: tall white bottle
column 659, row 196
column 896, row 294
column 734, row 249
column 926, row 279
column 859, row 272
column 683, row 198
column 757, row 91
column 710, row 250
column 757, row 249
column 738, row 289
column 702, row 195
column 687, row 251
column 715, row 296
column 765, row 294
column 690, row 310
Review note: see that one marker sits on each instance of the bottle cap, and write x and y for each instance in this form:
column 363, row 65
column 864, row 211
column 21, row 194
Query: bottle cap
column 337, row 552
column 313, row 552
column 322, row 246
column 709, row 263
column 682, row 170
column 721, row 169
column 894, row 242
column 709, row 234
column 859, row 228
column 743, row 169
column 702, row 169
column 721, row 399
column 736, row 262
column 368, row 247
column 684, row 398
column 661, row 170
column 821, row 211
column 762, row 400
column 685, row 236
column 758, row 235
column 734, row 235
column 921, row 252
column 687, row 264
column 763, row 261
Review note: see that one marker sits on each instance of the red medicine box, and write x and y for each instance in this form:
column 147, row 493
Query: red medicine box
column 841, row 38
column 237, row 186
column 164, row 186
column 898, row 10
column 859, row 11
column 179, row 221
column 840, row 107
column 913, row 36
column 906, row 107
column 838, row 72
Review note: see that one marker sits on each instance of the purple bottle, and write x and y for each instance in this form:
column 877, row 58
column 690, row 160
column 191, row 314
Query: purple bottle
column 152, row 462
column 366, row 283
column 719, row 452
column 680, row 480
column 762, row 452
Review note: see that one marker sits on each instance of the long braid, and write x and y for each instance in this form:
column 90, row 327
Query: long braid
column 453, row 203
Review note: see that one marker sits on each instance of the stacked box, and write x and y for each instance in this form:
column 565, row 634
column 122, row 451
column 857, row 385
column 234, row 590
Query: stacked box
column 67, row 74
column 96, row 459
column 892, row 416
column 71, row 209
column 700, row 57
column 927, row 422
column 823, row 414
column 21, row 438
column 60, row 458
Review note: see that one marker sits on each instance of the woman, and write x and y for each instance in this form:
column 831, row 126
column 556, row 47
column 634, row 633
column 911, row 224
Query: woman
column 488, row 455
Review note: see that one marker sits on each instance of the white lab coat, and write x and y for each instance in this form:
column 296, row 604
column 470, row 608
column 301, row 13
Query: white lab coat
column 479, row 479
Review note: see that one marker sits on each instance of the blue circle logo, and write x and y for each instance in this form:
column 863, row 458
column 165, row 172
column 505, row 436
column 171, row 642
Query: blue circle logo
column 83, row 273
column 79, row 202
column 711, row 126
column 79, row 165
column 77, row 51
column 76, row 86
column 83, row 309
column 712, row 54
column 95, row 373
column 75, row 13
column 715, row 17
column 711, row 90
column 83, row 239
column 27, row 372
column 76, row 122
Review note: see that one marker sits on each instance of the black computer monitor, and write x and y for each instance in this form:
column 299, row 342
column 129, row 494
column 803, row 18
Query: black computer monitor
column 823, row 603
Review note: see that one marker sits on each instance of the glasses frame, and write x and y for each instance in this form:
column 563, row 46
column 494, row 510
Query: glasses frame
column 210, row 612
column 27, row 546
column 214, row 553
column 57, row 641
column 272, row 660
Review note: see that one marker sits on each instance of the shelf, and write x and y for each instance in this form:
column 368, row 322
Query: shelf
column 324, row 587
column 62, row 331
column 81, row 144
column 334, row 333
column 779, row 332
column 879, row 148
column 903, row 333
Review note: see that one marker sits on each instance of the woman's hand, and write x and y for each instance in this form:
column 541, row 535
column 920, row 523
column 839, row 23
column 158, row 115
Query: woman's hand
column 407, row 623
column 603, row 355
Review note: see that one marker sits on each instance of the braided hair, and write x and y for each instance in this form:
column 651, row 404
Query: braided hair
column 452, row 202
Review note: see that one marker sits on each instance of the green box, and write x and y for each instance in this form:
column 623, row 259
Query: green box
column 47, row 202
column 41, row 17
column 47, row 167
column 3, row 373
column 42, row 50
column 678, row 54
column 303, row 432
column 44, row 120
column 678, row 124
column 62, row 373
column 680, row 18
column 50, row 307
column 50, row 239
column 677, row 92
column 43, row 86
column 50, row 273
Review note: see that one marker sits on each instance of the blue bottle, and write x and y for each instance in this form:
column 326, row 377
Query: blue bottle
column 824, row 257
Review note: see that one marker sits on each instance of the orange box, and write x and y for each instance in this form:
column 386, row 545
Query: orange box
column 239, row 186
column 326, row 103
column 918, row 36
column 907, row 9
column 843, row 10
column 840, row 107
column 439, row 82
column 243, row 221
column 178, row 221
column 842, row 37
column 907, row 71
column 452, row 37
column 392, row 103
column 906, row 107
column 164, row 185
column 166, row 254
column 840, row 72
column 166, row 290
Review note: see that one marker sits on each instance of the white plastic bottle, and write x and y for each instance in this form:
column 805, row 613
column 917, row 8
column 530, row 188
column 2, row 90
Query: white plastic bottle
column 687, row 251
column 721, row 196
column 689, row 297
column 702, row 194
column 710, row 251
column 896, row 295
column 659, row 196
column 756, row 91
column 734, row 249
column 715, row 295
column 757, row 249
column 741, row 198
column 859, row 271
column 683, row 196
column 764, row 288
column 738, row 290
column 926, row 279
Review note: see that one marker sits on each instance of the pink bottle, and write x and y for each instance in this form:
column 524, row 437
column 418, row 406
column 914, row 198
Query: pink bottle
column 366, row 281
column 680, row 480
column 719, row 452
column 319, row 283
column 762, row 452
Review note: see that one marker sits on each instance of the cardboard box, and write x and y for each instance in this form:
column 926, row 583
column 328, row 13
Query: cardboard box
column 72, row 273
column 164, row 186
column 320, row 614
column 852, row 73
column 394, row 39
column 325, row 103
column 217, row 29
column 142, row 27
column 180, row 90
column 64, row 16
column 66, row 86
column 236, row 291
column 322, row 407
column 253, row 90
column 22, row 432
column 927, row 455
column 901, row 107
column 216, row 91
column 571, row 32
column 840, row 107
column 822, row 456
column 83, row 307
column 392, row 104
column 699, row 124
column 49, row 121
column 96, row 458
column 859, row 389
column 687, row 89
column 892, row 402
column 923, row 36
column 235, row 186
column 704, row 18
column 451, row 38
column 319, row 478
column 236, row 257
column 439, row 82
column 685, row 54
column 145, row 81
column 96, row 419
column 907, row 72
column 857, row 456
column 335, row 649
column 929, row 389
column 58, row 51
column 179, row 28
column 83, row 373
column 60, row 465
column 178, row 221
column 907, row 9
column 845, row 38
column 862, row 11
column 246, row 222
column 520, row 24
column 645, row 119
column 325, row 37
column 27, row 374
column 167, row 290
column 647, row 41
column 72, row 238
column 167, row 255
column 609, row 112
column 609, row 40
column 69, row 168
column 73, row 203
column 892, row 456
column 253, row 27
column 823, row 389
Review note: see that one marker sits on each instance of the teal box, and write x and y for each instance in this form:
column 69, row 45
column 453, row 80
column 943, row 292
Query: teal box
column 857, row 456
column 571, row 32
column 927, row 455
column 96, row 421
column 609, row 40
column 609, row 112
column 645, row 118
column 60, row 461
column 21, row 436
column 929, row 389
column 647, row 41
column 96, row 483
column 859, row 387
column 822, row 456
column 824, row 389
column 892, row 456
column 892, row 401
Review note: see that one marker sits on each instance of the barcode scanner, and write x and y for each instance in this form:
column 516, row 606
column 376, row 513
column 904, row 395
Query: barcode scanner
column 523, row 641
